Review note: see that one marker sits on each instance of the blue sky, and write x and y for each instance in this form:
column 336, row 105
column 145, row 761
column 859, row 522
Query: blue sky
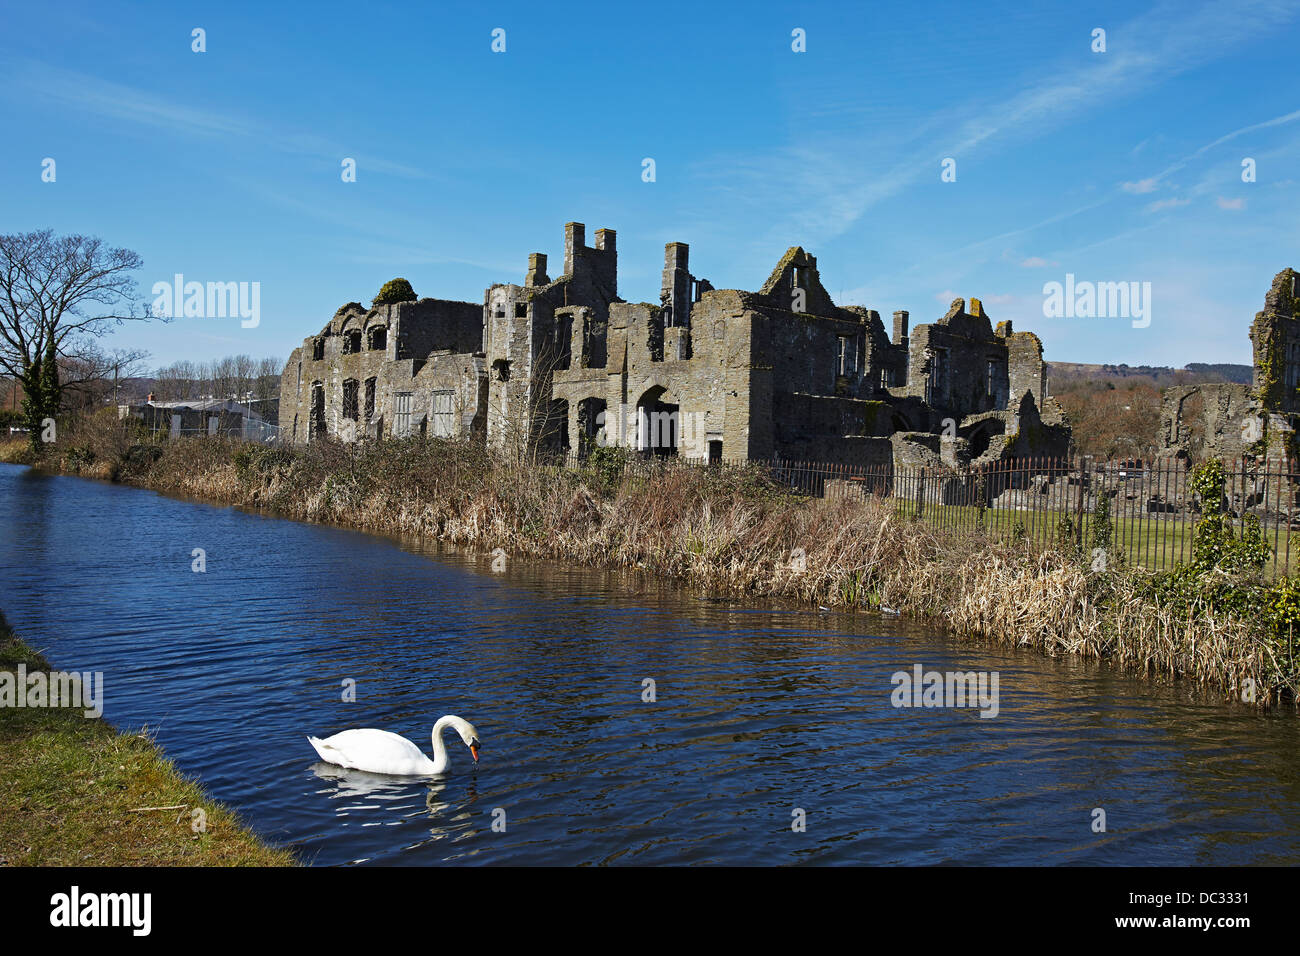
column 1115, row 166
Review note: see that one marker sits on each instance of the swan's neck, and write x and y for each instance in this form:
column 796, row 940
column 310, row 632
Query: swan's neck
column 439, row 749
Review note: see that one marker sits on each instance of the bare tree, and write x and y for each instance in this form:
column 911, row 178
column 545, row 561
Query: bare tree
column 268, row 378
column 176, row 382
column 532, row 425
column 94, row 375
column 58, row 295
column 237, row 377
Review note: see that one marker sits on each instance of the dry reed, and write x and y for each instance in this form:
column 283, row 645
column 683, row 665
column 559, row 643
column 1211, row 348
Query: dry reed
column 716, row 530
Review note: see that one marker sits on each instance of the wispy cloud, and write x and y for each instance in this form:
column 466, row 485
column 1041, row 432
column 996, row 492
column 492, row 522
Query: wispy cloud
column 1231, row 203
column 1034, row 226
column 831, row 191
column 1141, row 186
column 118, row 101
column 1143, row 145
column 1072, row 254
column 1227, row 137
column 374, row 235
column 1162, row 204
column 31, row 78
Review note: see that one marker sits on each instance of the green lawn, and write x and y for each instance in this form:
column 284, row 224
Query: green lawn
column 1147, row 540
column 75, row 792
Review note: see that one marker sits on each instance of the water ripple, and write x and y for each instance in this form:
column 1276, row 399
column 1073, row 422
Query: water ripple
column 761, row 712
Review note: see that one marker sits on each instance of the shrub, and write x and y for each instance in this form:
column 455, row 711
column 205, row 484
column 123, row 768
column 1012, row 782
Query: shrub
column 260, row 461
column 80, row 456
column 1214, row 544
column 1282, row 606
column 140, row 457
column 605, row 465
column 1066, row 538
column 395, row 290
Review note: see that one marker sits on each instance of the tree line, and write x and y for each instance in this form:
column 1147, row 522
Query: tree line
column 60, row 297
column 238, row 377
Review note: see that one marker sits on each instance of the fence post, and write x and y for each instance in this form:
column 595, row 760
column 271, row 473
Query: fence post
column 1078, row 503
column 920, row 492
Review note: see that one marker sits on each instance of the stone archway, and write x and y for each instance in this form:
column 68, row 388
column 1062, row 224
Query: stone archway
column 982, row 433
column 555, row 434
column 658, row 428
column 591, row 425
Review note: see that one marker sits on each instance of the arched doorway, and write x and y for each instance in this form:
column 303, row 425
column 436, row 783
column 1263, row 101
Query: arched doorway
column 591, row 425
column 555, row 435
column 657, row 423
column 981, row 435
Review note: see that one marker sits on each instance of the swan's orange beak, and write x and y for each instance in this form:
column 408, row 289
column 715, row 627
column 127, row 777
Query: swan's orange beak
column 473, row 748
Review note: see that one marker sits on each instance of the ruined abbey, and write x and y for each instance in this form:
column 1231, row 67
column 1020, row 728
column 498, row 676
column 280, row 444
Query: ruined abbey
column 563, row 365
column 1259, row 420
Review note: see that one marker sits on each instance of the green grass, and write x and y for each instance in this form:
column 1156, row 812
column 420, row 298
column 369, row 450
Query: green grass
column 72, row 791
column 1151, row 542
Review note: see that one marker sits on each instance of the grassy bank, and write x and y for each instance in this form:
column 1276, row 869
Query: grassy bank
column 16, row 451
column 1217, row 624
column 74, row 792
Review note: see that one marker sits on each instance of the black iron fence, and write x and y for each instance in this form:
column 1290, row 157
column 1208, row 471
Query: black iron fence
column 1146, row 511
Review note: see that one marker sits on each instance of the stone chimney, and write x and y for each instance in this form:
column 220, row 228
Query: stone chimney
column 536, row 269
column 575, row 238
column 900, row 328
column 675, row 288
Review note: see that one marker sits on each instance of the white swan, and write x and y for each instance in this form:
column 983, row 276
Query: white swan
column 378, row 751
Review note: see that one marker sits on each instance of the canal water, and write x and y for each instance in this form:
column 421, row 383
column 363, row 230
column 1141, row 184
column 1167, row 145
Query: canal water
column 771, row 739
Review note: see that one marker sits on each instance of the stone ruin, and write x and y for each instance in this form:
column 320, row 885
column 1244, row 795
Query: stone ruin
column 1251, row 427
column 564, row 365
column 1233, row 421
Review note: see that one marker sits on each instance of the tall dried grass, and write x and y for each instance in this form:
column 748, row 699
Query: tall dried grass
column 717, row 530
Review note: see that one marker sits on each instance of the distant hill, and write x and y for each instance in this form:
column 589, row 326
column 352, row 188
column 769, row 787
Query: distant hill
column 127, row 390
column 1064, row 374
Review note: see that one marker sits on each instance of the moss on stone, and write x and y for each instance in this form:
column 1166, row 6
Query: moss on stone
column 1269, row 393
column 871, row 412
column 787, row 260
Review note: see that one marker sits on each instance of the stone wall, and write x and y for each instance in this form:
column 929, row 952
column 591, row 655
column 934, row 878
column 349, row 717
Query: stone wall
column 1230, row 420
column 1275, row 341
column 961, row 366
column 427, row 351
column 565, row 364
column 1205, row 421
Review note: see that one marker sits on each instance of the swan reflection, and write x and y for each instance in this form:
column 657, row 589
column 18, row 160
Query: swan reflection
column 376, row 799
column 347, row 784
